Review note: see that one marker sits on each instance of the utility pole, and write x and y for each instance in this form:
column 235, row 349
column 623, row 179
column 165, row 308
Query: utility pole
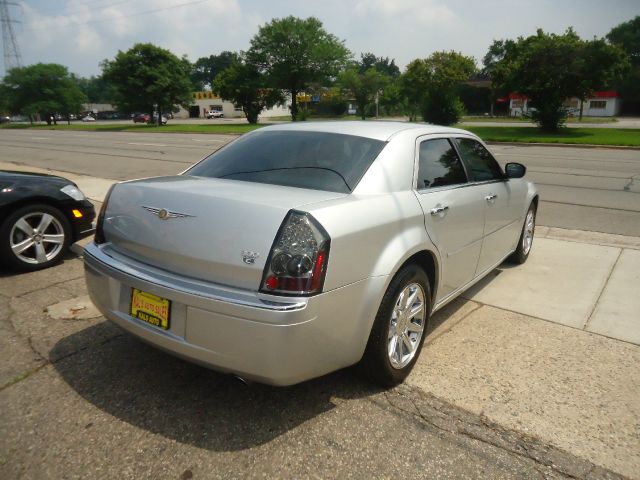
column 11, row 52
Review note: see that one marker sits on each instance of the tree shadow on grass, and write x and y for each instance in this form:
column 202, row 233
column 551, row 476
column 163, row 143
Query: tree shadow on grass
column 164, row 395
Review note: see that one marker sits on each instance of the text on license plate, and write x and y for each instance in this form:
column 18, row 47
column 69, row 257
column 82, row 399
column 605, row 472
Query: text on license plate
column 150, row 308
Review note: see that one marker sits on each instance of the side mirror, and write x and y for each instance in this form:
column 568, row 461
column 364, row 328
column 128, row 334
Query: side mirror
column 515, row 170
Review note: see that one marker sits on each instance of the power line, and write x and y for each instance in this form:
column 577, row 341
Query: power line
column 120, row 17
column 12, row 56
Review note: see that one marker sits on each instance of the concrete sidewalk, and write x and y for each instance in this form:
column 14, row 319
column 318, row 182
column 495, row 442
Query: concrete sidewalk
column 550, row 348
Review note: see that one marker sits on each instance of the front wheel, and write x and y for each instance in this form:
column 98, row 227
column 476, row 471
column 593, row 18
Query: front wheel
column 34, row 237
column 526, row 237
column 397, row 334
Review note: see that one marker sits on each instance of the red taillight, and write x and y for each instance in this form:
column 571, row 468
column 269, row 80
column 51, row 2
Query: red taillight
column 99, row 235
column 298, row 258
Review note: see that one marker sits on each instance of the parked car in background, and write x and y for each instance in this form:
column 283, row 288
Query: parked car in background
column 299, row 249
column 214, row 114
column 88, row 118
column 141, row 118
column 154, row 119
column 40, row 216
column 5, row 119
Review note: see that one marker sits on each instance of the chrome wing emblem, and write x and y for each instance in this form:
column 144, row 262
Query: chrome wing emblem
column 164, row 214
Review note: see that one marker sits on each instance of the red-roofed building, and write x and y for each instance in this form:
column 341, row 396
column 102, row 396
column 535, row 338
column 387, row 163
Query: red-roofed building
column 599, row 104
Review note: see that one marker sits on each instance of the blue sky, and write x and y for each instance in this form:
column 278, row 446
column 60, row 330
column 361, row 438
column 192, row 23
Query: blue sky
column 82, row 33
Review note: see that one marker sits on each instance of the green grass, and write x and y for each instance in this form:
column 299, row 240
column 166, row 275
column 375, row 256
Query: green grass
column 231, row 128
column 526, row 120
column 584, row 136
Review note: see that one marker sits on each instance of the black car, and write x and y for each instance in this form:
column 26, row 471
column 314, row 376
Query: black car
column 40, row 216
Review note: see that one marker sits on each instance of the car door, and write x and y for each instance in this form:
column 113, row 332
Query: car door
column 503, row 205
column 453, row 211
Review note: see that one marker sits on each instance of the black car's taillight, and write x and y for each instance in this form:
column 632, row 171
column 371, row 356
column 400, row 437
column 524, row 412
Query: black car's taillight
column 298, row 259
column 99, row 235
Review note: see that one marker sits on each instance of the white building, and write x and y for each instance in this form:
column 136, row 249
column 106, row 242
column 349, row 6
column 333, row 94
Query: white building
column 600, row 104
column 204, row 102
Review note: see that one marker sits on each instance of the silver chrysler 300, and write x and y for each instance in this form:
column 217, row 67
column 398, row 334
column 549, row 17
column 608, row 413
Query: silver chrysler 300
column 304, row 248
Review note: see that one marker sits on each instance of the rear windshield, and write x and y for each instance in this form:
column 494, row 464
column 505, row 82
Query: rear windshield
column 315, row 160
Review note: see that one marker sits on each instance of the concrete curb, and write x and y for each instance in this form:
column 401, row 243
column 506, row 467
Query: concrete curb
column 585, row 236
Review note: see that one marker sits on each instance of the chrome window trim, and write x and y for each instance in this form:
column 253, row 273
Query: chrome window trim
column 453, row 187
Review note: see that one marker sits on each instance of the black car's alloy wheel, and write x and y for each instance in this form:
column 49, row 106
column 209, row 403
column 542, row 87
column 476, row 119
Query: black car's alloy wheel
column 33, row 237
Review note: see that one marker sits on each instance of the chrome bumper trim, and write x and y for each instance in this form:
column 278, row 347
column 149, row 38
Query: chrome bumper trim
column 96, row 257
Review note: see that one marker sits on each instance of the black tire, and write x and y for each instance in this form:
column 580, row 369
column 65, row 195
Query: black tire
column 520, row 255
column 53, row 252
column 376, row 364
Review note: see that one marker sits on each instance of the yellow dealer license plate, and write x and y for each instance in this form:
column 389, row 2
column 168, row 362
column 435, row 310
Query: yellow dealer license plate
column 150, row 308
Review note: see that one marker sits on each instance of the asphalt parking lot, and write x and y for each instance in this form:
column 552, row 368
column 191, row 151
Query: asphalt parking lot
column 533, row 374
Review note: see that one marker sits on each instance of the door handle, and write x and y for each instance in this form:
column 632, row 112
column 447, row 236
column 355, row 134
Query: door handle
column 491, row 198
column 439, row 210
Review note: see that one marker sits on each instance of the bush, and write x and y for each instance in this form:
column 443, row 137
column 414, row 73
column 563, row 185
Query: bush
column 445, row 109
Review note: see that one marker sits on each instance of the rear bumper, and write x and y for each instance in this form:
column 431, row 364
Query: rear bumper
column 273, row 340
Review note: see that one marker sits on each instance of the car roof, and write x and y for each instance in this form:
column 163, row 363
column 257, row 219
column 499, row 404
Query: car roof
column 379, row 130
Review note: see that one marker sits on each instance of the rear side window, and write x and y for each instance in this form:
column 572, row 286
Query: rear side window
column 314, row 160
column 480, row 163
column 439, row 165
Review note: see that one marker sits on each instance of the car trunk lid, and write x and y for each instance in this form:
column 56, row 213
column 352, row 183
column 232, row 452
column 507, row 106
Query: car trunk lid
column 206, row 228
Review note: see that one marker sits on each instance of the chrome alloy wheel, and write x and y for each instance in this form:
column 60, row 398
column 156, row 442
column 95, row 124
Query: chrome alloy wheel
column 529, row 227
column 406, row 325
column 36, row 238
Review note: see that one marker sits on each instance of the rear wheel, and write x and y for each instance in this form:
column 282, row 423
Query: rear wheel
column 397, row 335
column 34, row 237
column 526, row 237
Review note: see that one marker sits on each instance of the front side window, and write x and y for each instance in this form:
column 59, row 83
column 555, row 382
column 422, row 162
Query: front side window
column 480, row 163
column 439, row 165
column 315, row 160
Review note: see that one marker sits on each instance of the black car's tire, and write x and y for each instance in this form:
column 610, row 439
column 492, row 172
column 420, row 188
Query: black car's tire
column 525, row 242
column 387, row 362
column 43, row 231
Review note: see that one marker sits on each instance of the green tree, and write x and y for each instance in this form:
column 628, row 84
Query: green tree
column 493, row 56
column 362, row 87
column 43, row 88
column 96, row 89
column 244, row 85
column 205, row 69
column 627, row 36
column 147, row 75
column 295, row 53
column 381, row 64
column 430, row 86
column 550, row 68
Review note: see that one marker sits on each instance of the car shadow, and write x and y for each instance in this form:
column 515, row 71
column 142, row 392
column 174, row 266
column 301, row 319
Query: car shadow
column 164, row 395
column 6, row 272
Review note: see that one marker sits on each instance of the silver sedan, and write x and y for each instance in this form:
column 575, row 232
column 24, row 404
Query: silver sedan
column 300, row 249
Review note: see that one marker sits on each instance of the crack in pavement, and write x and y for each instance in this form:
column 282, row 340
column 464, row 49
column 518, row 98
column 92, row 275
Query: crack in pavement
column 24, row 375
column 454, row 420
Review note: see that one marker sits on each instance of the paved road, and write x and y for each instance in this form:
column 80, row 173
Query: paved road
column 585, row 189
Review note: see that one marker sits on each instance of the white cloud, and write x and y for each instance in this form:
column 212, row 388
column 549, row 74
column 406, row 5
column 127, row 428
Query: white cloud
column 421, row 11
